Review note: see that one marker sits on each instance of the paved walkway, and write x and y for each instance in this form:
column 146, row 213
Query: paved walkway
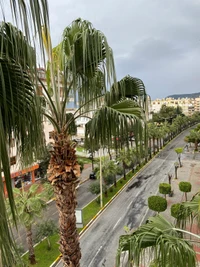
column 190, row 171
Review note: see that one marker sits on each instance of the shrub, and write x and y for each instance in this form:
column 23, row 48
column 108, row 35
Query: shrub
column 157, row 203
column 185, row 187
column 46, row 229
column 95, row 188
column 164, row 189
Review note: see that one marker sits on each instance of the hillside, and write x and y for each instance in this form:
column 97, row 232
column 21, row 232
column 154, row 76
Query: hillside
column 193, row 95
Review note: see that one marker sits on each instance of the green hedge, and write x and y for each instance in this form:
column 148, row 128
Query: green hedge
column 157, row 203
column 164, row 188
column 185, row 187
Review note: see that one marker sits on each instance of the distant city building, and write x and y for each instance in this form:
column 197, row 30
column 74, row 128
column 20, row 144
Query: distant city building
column 188, row 105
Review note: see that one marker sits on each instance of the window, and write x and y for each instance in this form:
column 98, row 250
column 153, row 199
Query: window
column 12, row 160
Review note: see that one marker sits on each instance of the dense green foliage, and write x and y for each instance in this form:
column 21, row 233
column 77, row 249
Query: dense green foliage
column 159, row 241
column 185, row 187
column 164, row 188
column 157, row 203
column 45, row 230
column 178, row 150
column 167, row 113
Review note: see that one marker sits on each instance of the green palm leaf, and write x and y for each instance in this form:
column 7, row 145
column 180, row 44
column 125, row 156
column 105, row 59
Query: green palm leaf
column 157, row 241
column 115, row 121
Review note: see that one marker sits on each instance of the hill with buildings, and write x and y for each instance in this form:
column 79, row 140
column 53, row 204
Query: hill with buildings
column 193, row 95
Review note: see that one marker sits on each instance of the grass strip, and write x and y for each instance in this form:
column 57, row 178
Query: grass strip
column 44, row 257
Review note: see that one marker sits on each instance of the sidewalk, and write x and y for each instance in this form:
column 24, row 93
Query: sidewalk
column 190, row 171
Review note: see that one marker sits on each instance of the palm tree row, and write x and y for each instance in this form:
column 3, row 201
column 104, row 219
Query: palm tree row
column 158, row 134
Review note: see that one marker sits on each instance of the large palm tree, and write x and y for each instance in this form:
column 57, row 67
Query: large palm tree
column 84, row 62
column 16, row 97
column 159, row 242
column 19, row 115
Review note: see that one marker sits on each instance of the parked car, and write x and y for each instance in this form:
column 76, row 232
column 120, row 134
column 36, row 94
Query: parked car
column 92, row 175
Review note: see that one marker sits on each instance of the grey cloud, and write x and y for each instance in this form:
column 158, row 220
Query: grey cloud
column 157, row 41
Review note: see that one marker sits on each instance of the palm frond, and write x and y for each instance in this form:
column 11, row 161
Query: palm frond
column 128, row 87
column 20, row 113
column 157, row 241
column 86, row 55
column 113, row 122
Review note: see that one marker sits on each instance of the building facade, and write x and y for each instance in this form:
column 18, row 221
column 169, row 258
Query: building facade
column 188, row 105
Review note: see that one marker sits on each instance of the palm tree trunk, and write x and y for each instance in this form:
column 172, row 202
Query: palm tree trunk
column 124, row 167
column 161, row 143
column 63, row 172
column 196, row 145
column 150, row 147
column 110, row 155
column 157, row 139
column 29, row 240
column 115, row 181
column 106, row 191
column 92, row 159
column 154, row 146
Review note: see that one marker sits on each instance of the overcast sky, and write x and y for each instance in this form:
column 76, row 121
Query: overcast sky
column 157, row 41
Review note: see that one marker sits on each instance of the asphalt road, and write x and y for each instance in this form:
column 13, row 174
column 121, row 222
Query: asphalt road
column 99, row 243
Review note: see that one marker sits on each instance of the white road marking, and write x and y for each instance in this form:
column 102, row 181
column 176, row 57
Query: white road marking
column 95, row 256
column 133, row 200
column 117, row 223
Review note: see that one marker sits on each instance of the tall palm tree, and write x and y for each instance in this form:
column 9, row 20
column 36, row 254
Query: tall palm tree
column 86, row 63
column 30, row 15
column 194, row 137
column 152, row 133
column 19, row 115
column 157, row 242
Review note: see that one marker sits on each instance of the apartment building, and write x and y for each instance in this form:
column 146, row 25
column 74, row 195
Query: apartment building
column 188, row 105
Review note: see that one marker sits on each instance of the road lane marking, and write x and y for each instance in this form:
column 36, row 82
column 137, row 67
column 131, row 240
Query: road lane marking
column 95, row 256
column 133, row 200
column 117, row 223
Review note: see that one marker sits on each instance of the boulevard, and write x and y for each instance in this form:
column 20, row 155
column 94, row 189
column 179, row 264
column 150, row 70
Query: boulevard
column 100, row 241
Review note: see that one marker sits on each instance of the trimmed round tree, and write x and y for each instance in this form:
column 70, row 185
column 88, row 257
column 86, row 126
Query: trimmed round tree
column 164, row 189
column 185, row 187
column 157, row 203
